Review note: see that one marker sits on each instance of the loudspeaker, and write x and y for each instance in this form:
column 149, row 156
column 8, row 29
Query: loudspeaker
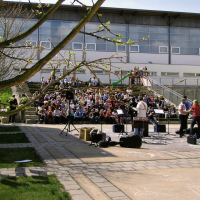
column 118, row 128
column 191, row 140
column 69, row 95
column 160, row 128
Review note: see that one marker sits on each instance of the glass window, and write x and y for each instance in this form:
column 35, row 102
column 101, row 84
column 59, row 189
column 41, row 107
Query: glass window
column 55, row 38
column 44, row 30
column 194, row 31
column 91, row 46
column 138, row 28
column 45, row 44
column 154, row 49
column 111, row 47
column 175, row 50
column 44, row 37
column 158, row 36
column 77, row 46
column 163, row 49
column 144, row 49
column 158, row 42
column 194, row 51
column 134, row 48
column 159, row 29
column 101, row 47
column 121, row 48
column 188, row 74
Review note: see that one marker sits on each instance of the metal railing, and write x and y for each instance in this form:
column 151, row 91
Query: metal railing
column 169, row 94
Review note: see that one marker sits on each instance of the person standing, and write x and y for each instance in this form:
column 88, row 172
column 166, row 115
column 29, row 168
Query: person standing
column 13, row 106
column 141, row 112
column 132, row 113
column 187, row 106
column 182, row 116
column 196, row 116
column 23, row 100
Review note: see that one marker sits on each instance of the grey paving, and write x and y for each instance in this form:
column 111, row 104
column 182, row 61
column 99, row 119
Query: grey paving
column 88, row 172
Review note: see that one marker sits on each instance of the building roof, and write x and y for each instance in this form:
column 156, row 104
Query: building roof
column 122, row 11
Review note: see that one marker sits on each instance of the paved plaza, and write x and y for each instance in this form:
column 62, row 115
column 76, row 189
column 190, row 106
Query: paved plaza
column 165, row 167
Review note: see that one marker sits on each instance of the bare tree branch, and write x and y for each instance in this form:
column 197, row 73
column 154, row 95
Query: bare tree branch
column 34, row 27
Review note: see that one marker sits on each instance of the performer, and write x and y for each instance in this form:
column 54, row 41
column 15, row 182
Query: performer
column 182, row 116
column 13, row 104
column 196, row 115
column 132, row 113
column 141, row 112
column 23, row 100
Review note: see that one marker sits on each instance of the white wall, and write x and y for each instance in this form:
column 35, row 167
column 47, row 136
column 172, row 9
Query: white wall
column 146, row 58
column 185, row 59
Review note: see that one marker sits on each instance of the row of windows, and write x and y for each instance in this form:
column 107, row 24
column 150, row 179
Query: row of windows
column 101, row 72
column 182, row 40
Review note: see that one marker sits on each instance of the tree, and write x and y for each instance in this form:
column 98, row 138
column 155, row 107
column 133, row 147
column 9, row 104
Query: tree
column 8, row 43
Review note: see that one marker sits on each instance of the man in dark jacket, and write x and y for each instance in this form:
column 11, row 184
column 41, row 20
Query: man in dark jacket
column 13, row 105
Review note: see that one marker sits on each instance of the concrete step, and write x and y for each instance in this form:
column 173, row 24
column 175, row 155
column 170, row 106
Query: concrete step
column 28, row 112
column 32, row 109
column 31, row 121
column 31, row 116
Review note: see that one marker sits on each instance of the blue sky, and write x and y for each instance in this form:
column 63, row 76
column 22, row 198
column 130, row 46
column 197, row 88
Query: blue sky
column 165, row 5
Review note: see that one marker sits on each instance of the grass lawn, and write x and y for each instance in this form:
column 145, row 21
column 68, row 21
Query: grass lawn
column 5, row 95
column 9, row 155
column 9, row 129
column 13, row 138
column 32, row 188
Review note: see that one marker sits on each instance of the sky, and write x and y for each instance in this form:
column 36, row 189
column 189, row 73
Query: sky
column 164, row 5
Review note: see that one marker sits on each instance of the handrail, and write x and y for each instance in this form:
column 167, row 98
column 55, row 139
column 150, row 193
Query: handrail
column 169, row 94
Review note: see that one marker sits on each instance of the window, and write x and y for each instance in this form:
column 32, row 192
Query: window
column 188, row 74
column 91, row 46
column 163, row 49
column 80, row 71
column 175, row 50
column 46, row 44
column 121, row 47
column 169, row 74
column 97, row 71
column 31, row 43
column 123, row 72
column 134, row 48
column 77, row 46
column 152, row 73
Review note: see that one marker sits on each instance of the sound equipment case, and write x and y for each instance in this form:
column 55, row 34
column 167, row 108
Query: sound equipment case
column 191, row 139
column 118, row 128
column 161, row 128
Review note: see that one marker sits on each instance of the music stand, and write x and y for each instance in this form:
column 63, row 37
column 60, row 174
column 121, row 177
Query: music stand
column 121, row 112
column 67, row 126
column 159, row 111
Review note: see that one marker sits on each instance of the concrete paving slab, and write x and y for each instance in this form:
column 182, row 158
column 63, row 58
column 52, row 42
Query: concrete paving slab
column 58, row 138
column 57, row 155
column 91, row 154
column 91, row 189
column 39, row 138
column 159, row 184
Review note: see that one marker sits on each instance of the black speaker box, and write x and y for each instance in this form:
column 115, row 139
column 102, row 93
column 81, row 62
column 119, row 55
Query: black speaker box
column 191, row 140
column 118, row 128
column 160, row 128
column 69, row 95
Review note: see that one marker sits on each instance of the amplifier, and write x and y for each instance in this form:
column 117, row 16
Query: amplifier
column 191, row 140
column 160, row 128
column 118, row 128
column 140, row 122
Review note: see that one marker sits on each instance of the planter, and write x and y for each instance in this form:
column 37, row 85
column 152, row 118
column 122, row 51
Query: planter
column 4, row 120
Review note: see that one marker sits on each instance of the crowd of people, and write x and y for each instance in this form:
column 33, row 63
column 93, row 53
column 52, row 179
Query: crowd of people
column 95, row 106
